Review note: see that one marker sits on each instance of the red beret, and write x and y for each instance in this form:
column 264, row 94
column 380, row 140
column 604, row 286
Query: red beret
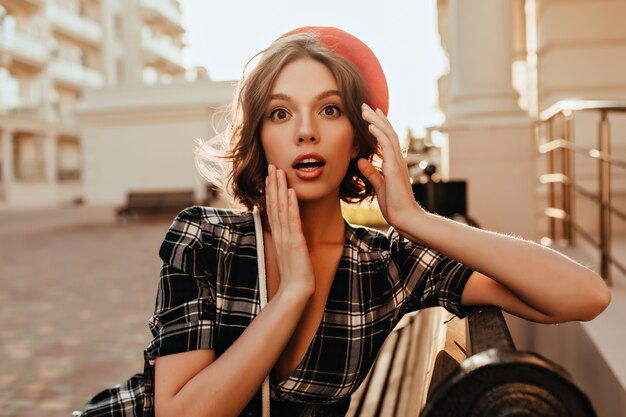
column 354, row 50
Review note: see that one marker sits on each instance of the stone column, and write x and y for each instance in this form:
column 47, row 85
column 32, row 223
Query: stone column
column 489, row 136
column 50, row 158
column 480, row 47
column 133, row 44
column 7, row 157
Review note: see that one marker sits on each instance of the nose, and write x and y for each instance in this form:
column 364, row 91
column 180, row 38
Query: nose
column 306, row 131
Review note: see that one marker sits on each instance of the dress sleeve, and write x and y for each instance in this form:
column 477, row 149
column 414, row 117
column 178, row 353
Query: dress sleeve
column 428, row 278
column 184, row 317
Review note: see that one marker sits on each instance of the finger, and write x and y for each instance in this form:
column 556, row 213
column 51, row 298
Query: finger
column 295, row 226
column 372, row 174
column 382, row 124
column 390, row 156
column 369, row 116
column 379, row 119
column 283, row 205
column 271, row 201
column 389, row 130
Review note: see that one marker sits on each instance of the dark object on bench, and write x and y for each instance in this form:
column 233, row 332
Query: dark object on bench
column 448, row 199
column 497, row 380
column 156, row 202
column 443, row 198
column 488, row 379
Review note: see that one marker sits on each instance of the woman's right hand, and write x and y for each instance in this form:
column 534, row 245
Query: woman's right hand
column 294, row 262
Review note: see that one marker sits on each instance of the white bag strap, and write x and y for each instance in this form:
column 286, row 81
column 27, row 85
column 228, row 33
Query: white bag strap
column 260, row 256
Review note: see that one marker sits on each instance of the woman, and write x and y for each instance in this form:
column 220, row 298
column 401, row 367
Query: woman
column 304, row 137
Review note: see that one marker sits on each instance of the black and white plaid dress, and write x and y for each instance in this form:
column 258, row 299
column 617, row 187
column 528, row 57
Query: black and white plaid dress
column 209, row 294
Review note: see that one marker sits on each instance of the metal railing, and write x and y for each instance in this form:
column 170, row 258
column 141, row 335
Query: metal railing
column 559, row 150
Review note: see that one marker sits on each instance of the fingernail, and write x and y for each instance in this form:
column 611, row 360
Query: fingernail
column 270, row 168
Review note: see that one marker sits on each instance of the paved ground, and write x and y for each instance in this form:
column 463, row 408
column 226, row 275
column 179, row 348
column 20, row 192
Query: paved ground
column 76, row 291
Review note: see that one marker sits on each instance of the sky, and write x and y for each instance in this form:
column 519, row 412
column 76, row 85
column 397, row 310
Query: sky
column 223, row 35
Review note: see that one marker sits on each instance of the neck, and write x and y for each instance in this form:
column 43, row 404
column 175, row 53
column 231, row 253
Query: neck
column 322, row 221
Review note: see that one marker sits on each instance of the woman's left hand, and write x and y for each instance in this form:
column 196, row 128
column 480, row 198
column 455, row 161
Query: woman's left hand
column 393, row 187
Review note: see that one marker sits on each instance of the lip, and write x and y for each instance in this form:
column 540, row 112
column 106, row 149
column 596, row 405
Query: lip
column 304, row 156
column 308, row 175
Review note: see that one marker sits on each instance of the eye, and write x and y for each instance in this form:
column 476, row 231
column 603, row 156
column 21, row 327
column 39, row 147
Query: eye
column 279, row 114
column 331, row 111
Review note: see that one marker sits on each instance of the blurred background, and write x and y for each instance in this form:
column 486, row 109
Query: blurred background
column 521, row 104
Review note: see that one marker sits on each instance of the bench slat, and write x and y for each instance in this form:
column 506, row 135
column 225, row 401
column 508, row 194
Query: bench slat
column 376, row 386
column 406, row 392
column 394, row 383
column 355, row 400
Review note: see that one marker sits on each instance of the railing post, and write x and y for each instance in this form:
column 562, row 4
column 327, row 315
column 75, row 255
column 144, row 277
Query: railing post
column 566, row 186
column 605, row 198
column 551, row 185
column 564, row 204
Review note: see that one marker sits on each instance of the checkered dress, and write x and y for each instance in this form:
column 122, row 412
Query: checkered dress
column 209, row 294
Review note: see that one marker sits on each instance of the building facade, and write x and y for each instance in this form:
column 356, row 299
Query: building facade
column 51, row 52
column 511, row 61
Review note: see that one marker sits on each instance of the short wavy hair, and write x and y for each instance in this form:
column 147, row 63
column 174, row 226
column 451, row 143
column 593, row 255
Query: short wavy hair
column 246, row 179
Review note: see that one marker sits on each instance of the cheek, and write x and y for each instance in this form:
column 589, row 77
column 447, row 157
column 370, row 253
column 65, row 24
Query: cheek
column 345, row 142
column 349, row 142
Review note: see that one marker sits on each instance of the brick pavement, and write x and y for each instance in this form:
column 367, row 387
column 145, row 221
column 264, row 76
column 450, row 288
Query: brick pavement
column 76, row 291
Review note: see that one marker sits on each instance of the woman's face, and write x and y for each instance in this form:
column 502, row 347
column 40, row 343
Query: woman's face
column 305, row 131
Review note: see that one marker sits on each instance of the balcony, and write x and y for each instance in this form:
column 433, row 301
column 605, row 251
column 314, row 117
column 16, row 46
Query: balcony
column 23, row 107
column 28, row 6
column 65, row 119
column 164, row 11
column 23, row 51
column 77, row 27
column 76, row 75
column 162, row 53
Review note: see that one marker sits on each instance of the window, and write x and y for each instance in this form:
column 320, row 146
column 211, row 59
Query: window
column 68, row 159
column 9, row 90
column 28, row 157
column 117, row 27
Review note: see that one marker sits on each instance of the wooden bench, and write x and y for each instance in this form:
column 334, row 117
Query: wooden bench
column 155, row 202
column 462, row 368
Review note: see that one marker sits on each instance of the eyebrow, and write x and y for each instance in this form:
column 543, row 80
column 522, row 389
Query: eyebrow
column 322, row 95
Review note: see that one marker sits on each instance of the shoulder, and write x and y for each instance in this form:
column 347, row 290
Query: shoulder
column 204, row 215
column 376, row 244
column 368, row 239
column 368, row 242
column 200, row 230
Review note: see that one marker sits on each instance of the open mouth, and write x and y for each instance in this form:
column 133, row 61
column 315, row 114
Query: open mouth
column 309, row 165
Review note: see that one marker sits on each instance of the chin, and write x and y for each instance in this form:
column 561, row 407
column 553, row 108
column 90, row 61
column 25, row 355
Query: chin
column 310, row 194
